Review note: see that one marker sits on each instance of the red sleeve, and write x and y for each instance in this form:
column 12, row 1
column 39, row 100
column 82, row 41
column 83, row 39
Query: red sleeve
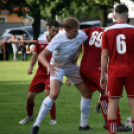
column 36, row 49
column 104, row 44
column 86, row 30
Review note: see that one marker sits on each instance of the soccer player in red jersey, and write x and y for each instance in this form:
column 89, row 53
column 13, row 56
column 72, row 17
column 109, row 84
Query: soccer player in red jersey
column 41, row 79
column 90, row 71
column 118, row 46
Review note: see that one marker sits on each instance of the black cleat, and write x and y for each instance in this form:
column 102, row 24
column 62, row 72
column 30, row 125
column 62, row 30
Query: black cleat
column 105, row 125
column 85, row 128
column 122, row 128
column 34, row 130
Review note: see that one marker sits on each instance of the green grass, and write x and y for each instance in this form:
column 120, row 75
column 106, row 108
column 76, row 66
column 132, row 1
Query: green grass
column 14, row 83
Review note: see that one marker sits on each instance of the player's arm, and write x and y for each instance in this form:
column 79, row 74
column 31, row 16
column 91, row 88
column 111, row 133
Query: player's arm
column 32, row 62
column 104, row 61
column 43, row 59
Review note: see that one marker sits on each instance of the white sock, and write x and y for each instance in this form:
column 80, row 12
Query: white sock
column 45, row 107
column 85, row 109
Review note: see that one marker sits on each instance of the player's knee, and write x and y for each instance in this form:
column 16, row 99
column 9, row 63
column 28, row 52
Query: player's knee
column 87, row 95
column 53, row 96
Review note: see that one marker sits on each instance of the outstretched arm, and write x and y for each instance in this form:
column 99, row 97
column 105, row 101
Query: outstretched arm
column 32, row 62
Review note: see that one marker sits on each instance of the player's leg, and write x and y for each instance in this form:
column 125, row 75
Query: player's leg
column 55, row 84
column 48, row 101
column 131, row 105
column 114, row 92
column 35, row 87
column 129, row 84
column 52, row 110
column 97, row 107
column 29, row 108
column 104, row 106
column 85, row 100
column 85, row 105
column 111, row 115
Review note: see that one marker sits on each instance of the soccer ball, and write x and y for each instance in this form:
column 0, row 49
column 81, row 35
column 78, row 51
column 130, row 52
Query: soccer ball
column 128, row 122
column 32, row 48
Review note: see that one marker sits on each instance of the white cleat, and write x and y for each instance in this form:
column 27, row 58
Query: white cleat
column 27, row 119
column 53, row 122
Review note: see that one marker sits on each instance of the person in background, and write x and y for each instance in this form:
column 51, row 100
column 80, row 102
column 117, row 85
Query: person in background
column 15, row 47
column 41, row 79
column 46, row 33
column 22, row 46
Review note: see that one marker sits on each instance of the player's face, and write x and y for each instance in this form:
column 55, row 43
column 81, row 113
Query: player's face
column 72, row 33
column 53, row 31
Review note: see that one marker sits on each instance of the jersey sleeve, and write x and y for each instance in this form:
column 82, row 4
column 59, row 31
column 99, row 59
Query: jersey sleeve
column 86, row 30
column 54, row 44
column 104, row 44
column 84, row 36
column 36, row 49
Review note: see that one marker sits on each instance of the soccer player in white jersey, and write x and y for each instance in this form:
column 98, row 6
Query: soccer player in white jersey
column 64, row 48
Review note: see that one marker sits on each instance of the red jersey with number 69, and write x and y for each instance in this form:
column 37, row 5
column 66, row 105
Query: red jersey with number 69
column 92, row 51
column 119, row 40
column 41, row 43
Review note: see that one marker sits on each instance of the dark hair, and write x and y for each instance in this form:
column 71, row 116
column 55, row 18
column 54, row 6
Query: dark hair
column 121, row 9
column 53, row 23
column 71, row 23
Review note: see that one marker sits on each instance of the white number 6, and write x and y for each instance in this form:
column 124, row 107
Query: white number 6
column 121, row 44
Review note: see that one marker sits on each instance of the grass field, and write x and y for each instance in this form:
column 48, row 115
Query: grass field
column 14, row 83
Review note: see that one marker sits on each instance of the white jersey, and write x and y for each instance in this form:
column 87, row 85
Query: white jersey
column 64, row 49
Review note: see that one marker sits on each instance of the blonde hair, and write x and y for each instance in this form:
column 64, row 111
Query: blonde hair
column 70, row 23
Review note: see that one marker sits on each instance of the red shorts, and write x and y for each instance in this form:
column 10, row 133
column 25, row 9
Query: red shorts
column 91, row 77
column 39, row 83
column 115, row 86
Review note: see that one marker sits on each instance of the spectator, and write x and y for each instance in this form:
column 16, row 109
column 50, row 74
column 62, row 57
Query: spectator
column 15, row 46
column 22, row 46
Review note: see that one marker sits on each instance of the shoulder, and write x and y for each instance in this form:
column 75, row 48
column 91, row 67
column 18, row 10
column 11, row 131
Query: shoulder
column 42, row 40
column 118, row 26
column 81, row 33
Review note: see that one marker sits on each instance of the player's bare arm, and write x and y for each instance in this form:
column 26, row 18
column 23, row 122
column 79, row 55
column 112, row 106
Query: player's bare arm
column 42, row 58
column 32, row 62
column 104, row 61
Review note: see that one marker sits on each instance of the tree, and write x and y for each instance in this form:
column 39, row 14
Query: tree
column 33, row 9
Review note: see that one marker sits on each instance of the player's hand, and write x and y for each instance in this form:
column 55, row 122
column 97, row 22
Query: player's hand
column 51, row 70
column 103, row 81
column 29, row 71
column 68, row 83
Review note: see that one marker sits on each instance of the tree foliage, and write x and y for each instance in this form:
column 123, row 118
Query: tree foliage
column 34, row 10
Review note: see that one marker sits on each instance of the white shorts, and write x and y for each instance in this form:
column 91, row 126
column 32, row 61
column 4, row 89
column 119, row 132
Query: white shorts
column 71, row 73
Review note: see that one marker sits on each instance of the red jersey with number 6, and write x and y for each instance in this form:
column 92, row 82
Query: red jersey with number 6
column 92, row 51
column 119, row 40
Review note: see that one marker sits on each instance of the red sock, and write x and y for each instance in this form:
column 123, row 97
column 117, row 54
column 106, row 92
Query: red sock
column 118, row 117
column 53, row 112
column 29, row 107
column 132, row 126
column 104, row 106
column 112, row 126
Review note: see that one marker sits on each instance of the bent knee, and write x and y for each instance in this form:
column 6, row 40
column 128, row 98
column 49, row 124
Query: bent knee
column 87, row 95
